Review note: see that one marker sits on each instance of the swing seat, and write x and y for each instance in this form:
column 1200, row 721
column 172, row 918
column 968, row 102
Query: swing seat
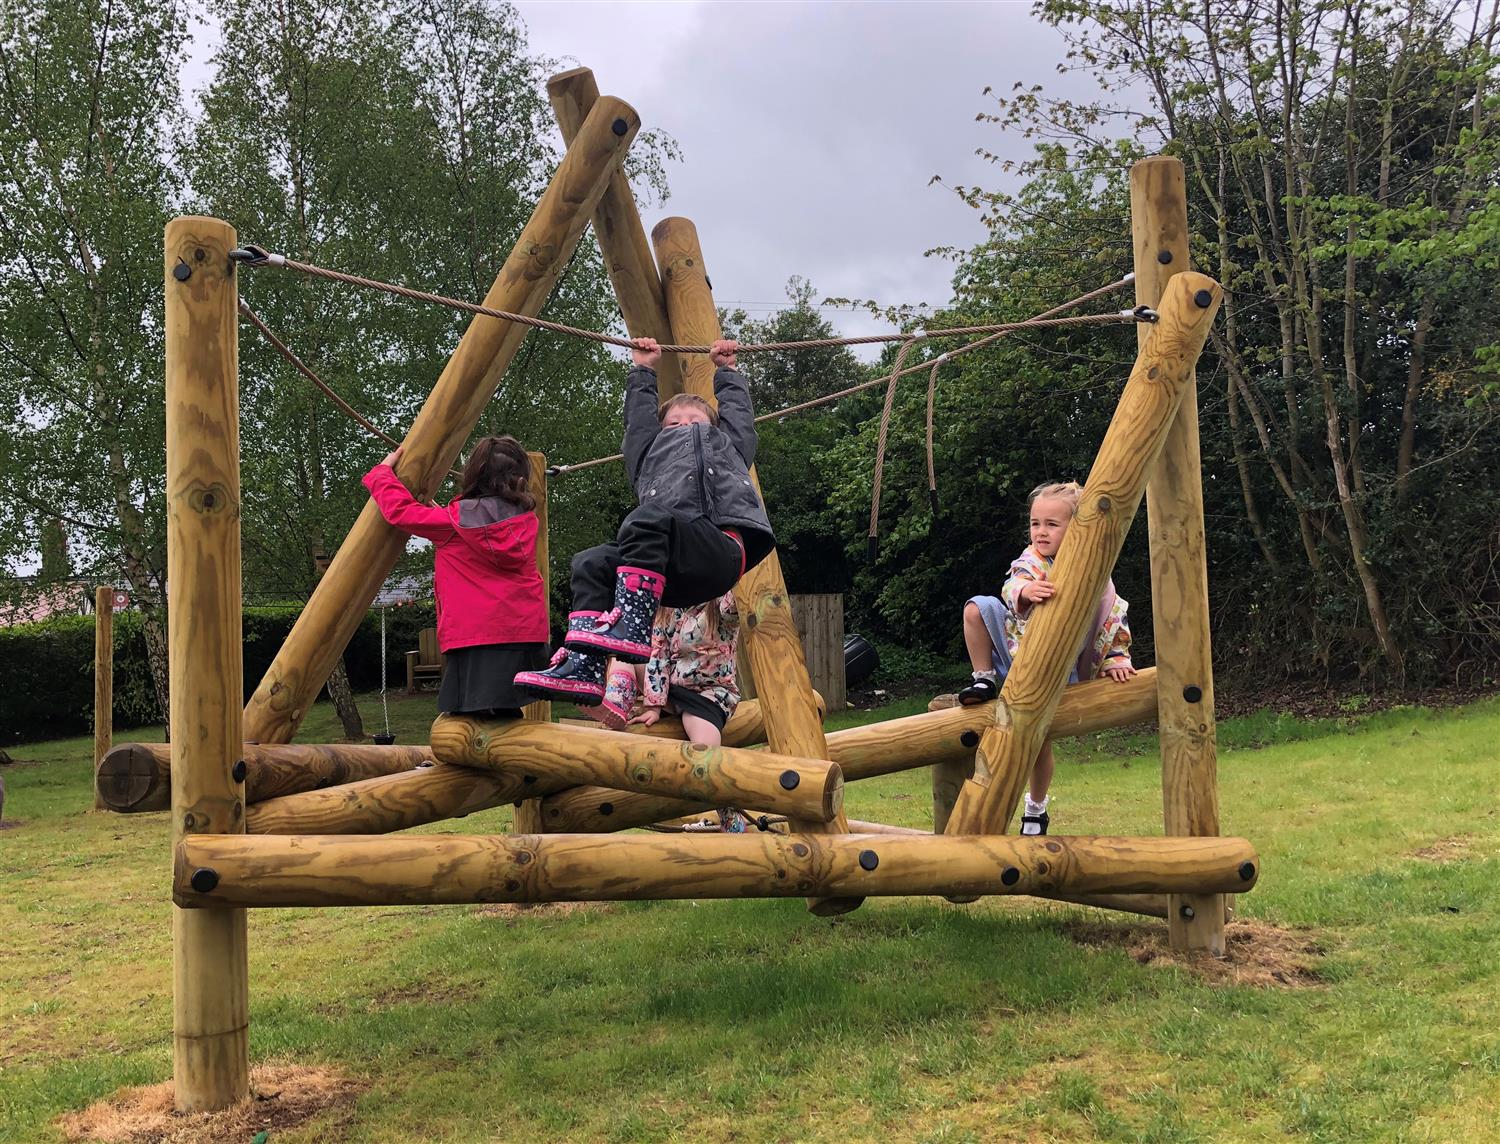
column 424, row 663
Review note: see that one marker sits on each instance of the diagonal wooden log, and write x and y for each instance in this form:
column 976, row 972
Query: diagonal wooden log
column 768, row 632
column 218, row 871
column 1023, row 714
column 934, row 737
column 619, row 231
column 137, row 777
column 447, row 418
column 1179, row 566
column 810, row 789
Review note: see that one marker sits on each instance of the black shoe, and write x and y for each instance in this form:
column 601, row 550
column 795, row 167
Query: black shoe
column 981, row 690
column 1035, row 824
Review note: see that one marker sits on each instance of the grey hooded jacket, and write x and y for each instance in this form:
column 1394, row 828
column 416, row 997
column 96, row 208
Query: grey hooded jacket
column 698, row 470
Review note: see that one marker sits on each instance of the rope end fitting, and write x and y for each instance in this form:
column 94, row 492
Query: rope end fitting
column 252, row 255
column 1128, row 278
column 1141, row 314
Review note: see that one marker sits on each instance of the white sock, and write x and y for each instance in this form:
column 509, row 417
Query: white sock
column 990, row 675
column 1036, row 808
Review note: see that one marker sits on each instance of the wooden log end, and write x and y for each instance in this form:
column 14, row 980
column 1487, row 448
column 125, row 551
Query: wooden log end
column 131, row 781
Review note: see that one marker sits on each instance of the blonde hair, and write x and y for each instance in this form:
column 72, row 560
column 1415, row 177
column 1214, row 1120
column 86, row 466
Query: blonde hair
column 691, row 399
column 1070, row 492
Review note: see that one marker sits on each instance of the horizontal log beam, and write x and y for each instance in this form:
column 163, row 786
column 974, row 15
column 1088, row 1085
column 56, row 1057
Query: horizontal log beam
column 237, row 870
column 137, row 777
column 876, row 749
column 811, row 789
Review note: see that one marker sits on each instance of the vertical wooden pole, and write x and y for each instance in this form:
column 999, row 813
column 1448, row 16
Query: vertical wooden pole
column 794, row 726
column 1179, row 568
column 211, row 1061
column 528, row 814
column 104, row 681
column 622, row 237
column 447, row 417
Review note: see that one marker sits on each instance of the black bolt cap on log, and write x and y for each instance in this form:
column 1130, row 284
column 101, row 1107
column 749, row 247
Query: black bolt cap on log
column 1192, row 694
column 204, row 880
column 1010, row 876
column 868, row 859
column 1164, row 256
column 619, row 127
column 1247, row 871
column 790, row 780
column 1203, row 299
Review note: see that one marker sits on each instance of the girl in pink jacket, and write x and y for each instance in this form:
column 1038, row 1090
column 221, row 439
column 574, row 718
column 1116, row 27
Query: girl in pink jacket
column 491, row 608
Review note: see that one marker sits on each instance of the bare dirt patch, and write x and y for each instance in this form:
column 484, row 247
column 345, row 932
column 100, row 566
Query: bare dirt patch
column 540, row 911
column 282, row 1097
column 1453, row 849
column 1259, row 953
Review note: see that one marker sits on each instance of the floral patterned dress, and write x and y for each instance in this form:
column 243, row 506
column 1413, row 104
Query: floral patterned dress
column 1110, row 646
column 683, row 655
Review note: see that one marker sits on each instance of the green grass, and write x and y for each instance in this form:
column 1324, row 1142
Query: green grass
column 909, row 1020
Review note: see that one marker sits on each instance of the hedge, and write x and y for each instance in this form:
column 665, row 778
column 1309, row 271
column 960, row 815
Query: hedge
column 48, row 668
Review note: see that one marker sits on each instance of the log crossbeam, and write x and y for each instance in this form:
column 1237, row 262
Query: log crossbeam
column 811, row 789
column 227, row 871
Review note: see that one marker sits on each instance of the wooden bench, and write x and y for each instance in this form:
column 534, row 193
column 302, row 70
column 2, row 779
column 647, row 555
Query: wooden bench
column 424, row 663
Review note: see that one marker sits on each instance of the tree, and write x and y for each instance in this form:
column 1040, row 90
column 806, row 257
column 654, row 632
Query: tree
column 88, row 95
column 1342, row 165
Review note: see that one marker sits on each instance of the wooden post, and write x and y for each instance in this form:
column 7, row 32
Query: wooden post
column 372, row 547
column 767, row 631
column 1179, row 566
column 721, row 776
column 137, row 777
column 617, row 226
column 1112, row 493
column 211, row 1056
column 214, row 871
column 540, row 711
column 104, row 682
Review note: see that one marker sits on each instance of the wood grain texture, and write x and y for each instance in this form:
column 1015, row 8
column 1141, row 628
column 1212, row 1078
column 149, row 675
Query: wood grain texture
column 137, row 777
column 1179, row 565
column 393, row 802
column 620, row 233
column 1112, row 493
column 540, row 710
column 454, row 868
column 722, row 776
column 446, row 419
column 104, row 682
column 768, row 634
column 211, row 993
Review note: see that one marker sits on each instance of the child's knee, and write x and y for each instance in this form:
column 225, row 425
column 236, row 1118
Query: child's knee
column 971, row 614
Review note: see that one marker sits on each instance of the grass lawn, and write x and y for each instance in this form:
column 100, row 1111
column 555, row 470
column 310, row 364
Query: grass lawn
column 909, row 1020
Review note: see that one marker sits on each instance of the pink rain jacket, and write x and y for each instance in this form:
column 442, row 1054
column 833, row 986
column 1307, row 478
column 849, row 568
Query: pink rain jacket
column 486, row 581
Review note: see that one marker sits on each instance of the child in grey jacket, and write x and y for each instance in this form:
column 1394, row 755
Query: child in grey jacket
column 699, row 527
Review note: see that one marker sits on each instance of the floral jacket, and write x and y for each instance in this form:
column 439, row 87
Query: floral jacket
column 682, row 655
column 1110, row 646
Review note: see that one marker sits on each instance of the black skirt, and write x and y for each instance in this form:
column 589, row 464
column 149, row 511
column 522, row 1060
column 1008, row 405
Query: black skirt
column 482, row 678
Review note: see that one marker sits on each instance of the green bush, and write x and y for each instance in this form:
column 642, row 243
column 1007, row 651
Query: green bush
column 49, row 666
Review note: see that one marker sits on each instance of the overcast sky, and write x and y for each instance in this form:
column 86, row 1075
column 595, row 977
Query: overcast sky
column 810, row 131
